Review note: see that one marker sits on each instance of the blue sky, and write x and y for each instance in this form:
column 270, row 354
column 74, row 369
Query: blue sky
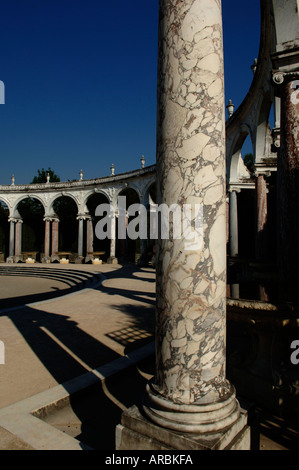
column 80, row 82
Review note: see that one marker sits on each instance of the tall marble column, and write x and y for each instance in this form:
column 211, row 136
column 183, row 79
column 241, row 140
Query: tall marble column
column 112, row 258
column 12, row 222
column 89, row 235
column 190, row 392
column 234, row 235
column 233, row 223
column 18, row 239
column 288, row 187
column 55, row 237
column 79, row 258
column 46, row 258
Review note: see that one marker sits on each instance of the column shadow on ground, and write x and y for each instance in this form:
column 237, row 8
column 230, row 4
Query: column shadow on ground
column 66, row 351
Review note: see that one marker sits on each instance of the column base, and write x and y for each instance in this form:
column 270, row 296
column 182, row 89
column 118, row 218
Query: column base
column 136, row 432
column 46, row 259
column 79, row 260
column 112, row 260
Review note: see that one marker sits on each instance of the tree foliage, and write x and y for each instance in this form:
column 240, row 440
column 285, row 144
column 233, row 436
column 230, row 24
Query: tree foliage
column 249, row 161
column 41, row 176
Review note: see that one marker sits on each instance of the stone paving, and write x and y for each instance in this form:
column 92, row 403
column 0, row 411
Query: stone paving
column 57, row 340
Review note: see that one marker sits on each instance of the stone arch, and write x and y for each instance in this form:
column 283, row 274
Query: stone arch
column 128, row 250
column 263, row 131
column 6, row 202
column 50, row 207
column 149, row 191
column 130, row 188
column 29, row 227
column 95, row 191
column 64, row 206
column 93, row 243
column 234, row 157
column 24, row 196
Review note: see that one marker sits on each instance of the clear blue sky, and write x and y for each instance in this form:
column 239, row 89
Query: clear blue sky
column 80, row 82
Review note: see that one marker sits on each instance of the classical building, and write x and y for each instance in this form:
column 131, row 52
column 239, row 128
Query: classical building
column 249, row 215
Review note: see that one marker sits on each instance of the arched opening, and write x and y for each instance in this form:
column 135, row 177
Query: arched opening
column 128, row 250
column 65, row 208
column 93, row 243
column 4, row 231
column 241, row 214
column 30, row 243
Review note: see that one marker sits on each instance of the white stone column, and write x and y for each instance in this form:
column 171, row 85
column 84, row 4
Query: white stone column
column 80, row 238
column 18, row 239
column 233, row 223
column 112, row 258
column 11, row 239
column 234, row 234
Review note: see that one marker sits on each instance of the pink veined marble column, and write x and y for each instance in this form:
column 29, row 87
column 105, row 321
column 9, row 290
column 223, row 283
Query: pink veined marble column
column 55, row 236
column 190, row 391
column 47, row 238
column 18, row 238
column 288, row 186
column 89, row 235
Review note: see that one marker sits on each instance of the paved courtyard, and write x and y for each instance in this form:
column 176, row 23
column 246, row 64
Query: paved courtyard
column 58, row 322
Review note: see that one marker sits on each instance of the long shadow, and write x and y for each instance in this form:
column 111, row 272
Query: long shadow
column 67, row 351
column 127, row 273
column 73, row 279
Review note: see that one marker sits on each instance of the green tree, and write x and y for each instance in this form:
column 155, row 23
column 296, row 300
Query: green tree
column 249, row 161
column 42, row 176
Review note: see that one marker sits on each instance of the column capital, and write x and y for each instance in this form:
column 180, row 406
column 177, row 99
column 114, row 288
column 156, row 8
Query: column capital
column 51, row 219
column 83, row 216
column 235, row 189
column 262, row 172
column 279, row 77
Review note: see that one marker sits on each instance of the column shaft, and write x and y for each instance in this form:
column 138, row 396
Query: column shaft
column 190, row 392
column 113, row 237
column 191, row 281
column 233, row 224
column 80, row 237
column 12, row 238
column 288, row 190
column 47, row 238
column 89, row 236
column 55, row 237
column 18, row 238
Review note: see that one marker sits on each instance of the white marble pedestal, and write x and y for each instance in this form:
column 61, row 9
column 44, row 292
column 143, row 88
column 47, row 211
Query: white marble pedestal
column 136, row 432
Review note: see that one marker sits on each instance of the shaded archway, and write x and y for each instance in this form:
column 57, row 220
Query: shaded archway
column 95, row 244
column 128, row 250
column 65, row 208
column 29, row 229
column 241, row 213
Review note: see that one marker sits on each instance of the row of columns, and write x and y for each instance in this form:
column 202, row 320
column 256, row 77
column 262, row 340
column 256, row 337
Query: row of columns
column 51, row 238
